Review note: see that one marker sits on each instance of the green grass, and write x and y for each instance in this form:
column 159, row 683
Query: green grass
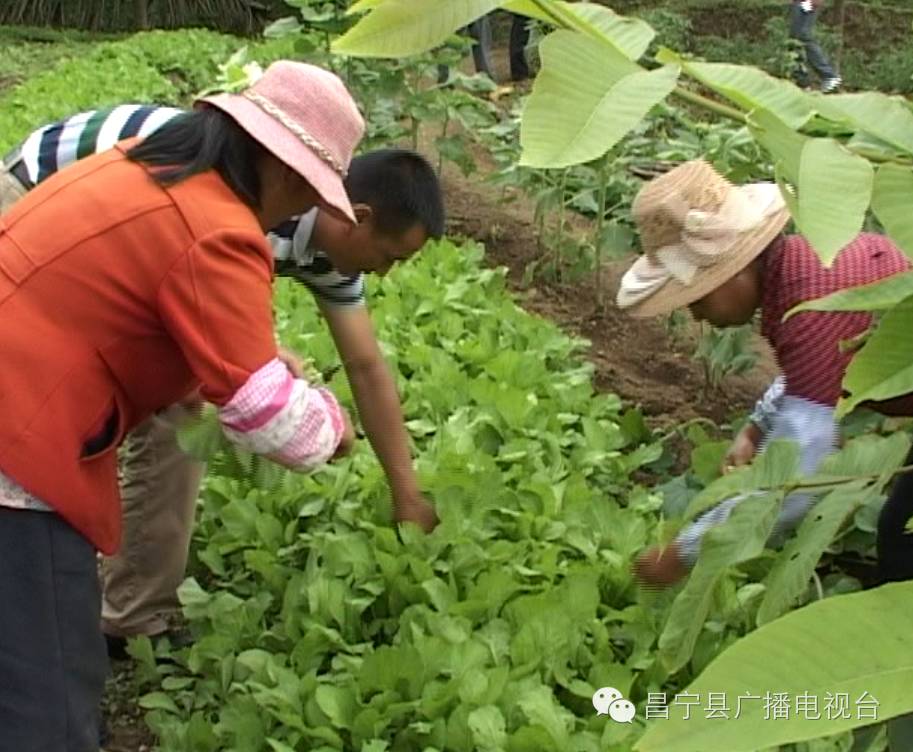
column 27, row 51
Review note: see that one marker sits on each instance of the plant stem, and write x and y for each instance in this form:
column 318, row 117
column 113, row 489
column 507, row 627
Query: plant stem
column 440, row 154
column 562, row 206
column 600, row 223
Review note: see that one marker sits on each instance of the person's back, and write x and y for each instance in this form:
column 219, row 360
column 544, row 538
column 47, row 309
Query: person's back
column 123, row 264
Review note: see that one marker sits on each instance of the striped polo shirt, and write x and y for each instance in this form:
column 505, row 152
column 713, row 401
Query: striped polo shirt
column 53, row 147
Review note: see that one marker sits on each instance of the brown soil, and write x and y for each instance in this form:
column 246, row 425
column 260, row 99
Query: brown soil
column 642, row 360
column 126, row 728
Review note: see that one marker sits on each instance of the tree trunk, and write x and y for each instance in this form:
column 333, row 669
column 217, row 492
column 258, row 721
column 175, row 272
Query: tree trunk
column 141, row 14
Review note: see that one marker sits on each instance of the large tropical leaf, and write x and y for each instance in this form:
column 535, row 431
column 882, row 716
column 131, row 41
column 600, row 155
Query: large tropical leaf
column 883, row 368
column 877, row 114
column 835, row 188
column 396, row 28
column 631, row 36
column 784, row 143
column 892, row 200
column 877, row 296
column 830, row 186
column 853, row 644
column 585, row 99
column 749, row 87
column 740, row 538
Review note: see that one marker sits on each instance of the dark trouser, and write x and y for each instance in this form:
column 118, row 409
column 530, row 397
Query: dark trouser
column 52, row 655
column 895, row 544
column 480, row 31
column 802, row 27
column 519, row 38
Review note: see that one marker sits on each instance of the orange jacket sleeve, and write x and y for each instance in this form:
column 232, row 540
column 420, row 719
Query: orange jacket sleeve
column 216, row 302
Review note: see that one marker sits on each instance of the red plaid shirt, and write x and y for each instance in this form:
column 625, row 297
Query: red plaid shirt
column 807, row 345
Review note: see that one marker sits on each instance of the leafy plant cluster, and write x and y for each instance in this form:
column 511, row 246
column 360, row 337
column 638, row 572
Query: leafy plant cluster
column 318, row 628
column 155, row 66
column 835, row 158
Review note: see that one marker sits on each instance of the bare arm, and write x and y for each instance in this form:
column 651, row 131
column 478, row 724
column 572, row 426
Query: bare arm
column 378, row 405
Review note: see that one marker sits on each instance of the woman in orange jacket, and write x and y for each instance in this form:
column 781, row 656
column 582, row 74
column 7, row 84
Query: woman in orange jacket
column 128, row 281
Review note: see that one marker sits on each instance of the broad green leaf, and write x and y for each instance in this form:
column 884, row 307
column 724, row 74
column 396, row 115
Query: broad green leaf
column 585, row 99
column 488, row 727
column 338, row 703
column 866, row 456
column 631, row 36
column 869, row 456
column 158, row 701
column 775, row 468
column 877, row 114
column 398, row 28
column 752, row 89
column 740, row 538
column 855, row 644
column 877, row 296
column 883, row 368
column 793, row 569
column 784, row 143
column 835, row 188
column 892, row 198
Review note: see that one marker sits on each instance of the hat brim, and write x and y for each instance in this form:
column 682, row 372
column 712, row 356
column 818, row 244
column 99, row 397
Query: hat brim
column 748, row 246
column 289, row 149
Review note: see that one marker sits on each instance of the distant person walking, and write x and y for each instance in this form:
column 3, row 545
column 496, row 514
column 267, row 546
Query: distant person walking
column 480, row 32
column 803, row 14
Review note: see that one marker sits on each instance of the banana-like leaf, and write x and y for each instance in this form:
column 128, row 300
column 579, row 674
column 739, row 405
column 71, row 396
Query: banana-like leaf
column 740, row 538
column 631, row 36
column 892, row 200
column 883, row 368
column 750, row 88
column 835, row 188
column 397, row 28
column 856, row 644
column 870, row 112
column 877, row 296
column 784, row 143
column 585, row 99
column 833, row 185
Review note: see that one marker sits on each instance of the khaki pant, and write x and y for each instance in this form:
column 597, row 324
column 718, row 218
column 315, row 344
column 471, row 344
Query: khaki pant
column 159, row 488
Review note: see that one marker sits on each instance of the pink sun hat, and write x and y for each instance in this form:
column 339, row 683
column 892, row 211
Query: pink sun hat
column 304, row 116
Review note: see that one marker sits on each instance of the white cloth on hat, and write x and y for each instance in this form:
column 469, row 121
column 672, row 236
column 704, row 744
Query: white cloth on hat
column 705, row 240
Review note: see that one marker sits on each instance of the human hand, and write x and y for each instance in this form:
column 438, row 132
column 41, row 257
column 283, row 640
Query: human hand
column 416, row 509
column 743, row 448
column 660, row 566
column 292, row 362
column 347, row 442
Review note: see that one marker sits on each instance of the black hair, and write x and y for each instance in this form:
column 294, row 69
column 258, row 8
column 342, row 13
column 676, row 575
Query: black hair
column 205, row 139
column 402, row 189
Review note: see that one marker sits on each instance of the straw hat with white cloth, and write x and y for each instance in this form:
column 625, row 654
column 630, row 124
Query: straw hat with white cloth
column 698, row 231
